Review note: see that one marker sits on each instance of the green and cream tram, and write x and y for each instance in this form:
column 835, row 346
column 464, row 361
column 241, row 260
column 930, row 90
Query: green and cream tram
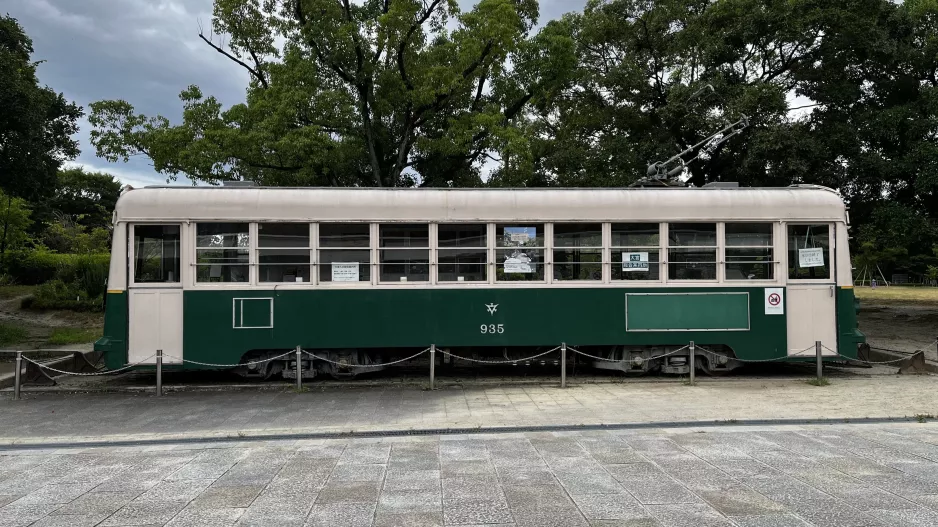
column 228, row 275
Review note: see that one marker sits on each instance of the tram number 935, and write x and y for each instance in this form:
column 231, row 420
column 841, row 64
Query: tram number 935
column 491, row 328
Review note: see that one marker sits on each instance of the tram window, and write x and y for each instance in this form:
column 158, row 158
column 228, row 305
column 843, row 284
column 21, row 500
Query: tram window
column 222, row 252
column 578, row 253
column 519, row 254
column 283, row 252
column 808, row 252
column 156, row 254
column 344, row 252
column 404, row 253
column 462, row 254
column 635, row 251
column 692, row 251
column 749, row 252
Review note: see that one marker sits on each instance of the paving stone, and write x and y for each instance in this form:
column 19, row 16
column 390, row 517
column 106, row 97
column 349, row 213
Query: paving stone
column 408, row 519
column 410, row 501
column 525, row 476
column 185, row 490
column 471, row 487
column 349, row 492
column 71, row 520
column 227, row 497
column 548, row 517
column 631, row 522
column 659, row 490
column 55, row 493
column 588, row 483
column 467, row 468
column 358, row 472
column 341, row 515
column 831, row 513
column 689, row 515
column 740, row 501
column 907, row 518
column 769, row 520
column 198, row 517
column 144, row 513
column 472, row 511
column 619, row 506
column 365, row 454
column 95, row 503
column 425, row 480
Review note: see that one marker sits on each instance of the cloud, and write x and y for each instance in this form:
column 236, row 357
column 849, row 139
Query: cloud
column 144, row 52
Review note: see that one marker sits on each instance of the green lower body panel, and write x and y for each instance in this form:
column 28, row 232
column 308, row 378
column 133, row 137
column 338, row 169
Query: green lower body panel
column 113, row 345
column 848, row 335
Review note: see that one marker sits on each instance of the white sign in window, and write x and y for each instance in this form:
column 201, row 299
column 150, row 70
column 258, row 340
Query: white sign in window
column 635, row 261
column 518, row 262
column 344, row 271
column 813, row 257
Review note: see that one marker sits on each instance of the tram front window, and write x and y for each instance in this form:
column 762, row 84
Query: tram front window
column 156, row 254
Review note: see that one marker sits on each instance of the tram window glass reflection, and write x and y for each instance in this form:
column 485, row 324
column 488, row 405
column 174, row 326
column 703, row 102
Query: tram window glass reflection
column 462, row 252
column 283, row 252
column 692, row 251
column 809, row 252
column 156, row 254
column 749, row 252
column 578, row 252
column 404, row 254
column 519, row 254
column 635, row 251
column 344, row 252
column 222, row 252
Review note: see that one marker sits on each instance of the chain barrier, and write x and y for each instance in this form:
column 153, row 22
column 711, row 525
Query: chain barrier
column 98, row 373
column 381, row 365
column 211, row 365
column 574, row 350
column 510, row 361
column 774, row 359
column 864, row 361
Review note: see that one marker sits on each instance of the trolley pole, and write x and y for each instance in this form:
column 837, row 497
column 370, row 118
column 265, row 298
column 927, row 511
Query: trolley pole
column 299, row 368
column 17, row 376
column 693, row 362
column 820, row 366
column 159, row 373
column 563, row 365
column 432, row 366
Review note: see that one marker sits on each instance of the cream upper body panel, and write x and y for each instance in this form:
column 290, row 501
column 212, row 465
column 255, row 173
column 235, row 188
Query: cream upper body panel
column 454, row 205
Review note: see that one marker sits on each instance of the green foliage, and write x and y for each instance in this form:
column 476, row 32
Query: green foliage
column 57, row 294
column 373, row 93
column 36, row 124
column 87, row 198
column 15, row 221
column 65, row 336
column 37, row 266
column 67, row 236
column 12, row 334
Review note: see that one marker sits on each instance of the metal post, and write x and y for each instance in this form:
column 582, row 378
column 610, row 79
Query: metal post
column 159, row 373
column 432, row 366
column 563, row 365
column 693, row 361
column 820, row 367
column 299, row 368
column 17, row 375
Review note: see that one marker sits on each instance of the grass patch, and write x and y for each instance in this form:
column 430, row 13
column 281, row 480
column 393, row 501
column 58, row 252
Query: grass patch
column 10, row 334
column 897, row 294
column 814, row 381
column 15, row 291
column 63, row 336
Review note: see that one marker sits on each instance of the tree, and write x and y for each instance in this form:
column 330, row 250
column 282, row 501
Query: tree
column 372, row 93
column 36, row 123
column 87, row 198
column 15, row 220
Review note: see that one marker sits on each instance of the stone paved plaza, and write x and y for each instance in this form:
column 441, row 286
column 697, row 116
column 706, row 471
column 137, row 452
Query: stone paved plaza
column 830, row 475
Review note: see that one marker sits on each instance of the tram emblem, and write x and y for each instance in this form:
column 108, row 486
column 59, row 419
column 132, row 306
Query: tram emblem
column 492, row 308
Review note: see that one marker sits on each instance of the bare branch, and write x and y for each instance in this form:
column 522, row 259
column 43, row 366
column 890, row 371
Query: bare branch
column 255, row 73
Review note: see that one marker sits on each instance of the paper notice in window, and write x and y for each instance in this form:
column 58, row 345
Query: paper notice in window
column 518, row 263
column 634, row 262
column 813, row 257
column 344, row 271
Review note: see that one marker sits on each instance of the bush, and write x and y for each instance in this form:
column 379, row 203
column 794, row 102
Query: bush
column 57, row 294
column 37, row 266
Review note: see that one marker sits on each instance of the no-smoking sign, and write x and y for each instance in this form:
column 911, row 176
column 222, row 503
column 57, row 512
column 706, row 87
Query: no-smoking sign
column 773, row 301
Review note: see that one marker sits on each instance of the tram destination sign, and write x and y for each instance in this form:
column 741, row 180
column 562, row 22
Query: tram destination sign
column 635, row 262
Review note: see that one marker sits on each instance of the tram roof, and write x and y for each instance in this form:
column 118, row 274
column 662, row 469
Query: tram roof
column 425, row 204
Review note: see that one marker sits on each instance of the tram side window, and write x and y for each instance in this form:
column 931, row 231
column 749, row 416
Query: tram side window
column 635, row 251
column 749, row 252
column 156, row 254
column 462, row 252
column 519, row 253
column 808, row 252
column 692, row 251
column 222, row 252
column 404, row 253
column 578, row 253
column 283, row 252
column 344, row 252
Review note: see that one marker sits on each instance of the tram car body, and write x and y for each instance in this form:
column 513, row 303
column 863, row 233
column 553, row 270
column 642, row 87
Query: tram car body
column 230, row 275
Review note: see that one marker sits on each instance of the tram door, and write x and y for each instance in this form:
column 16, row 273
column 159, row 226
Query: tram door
column 811, row 307
column 155, row 292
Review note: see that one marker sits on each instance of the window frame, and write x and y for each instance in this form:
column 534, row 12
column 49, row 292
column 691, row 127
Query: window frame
column 193, row 228
column 552, row 246
column 372, row 253
column 774, row 262
column 661, row 248
column 184, row 257
column 831, row 245
column 546, row 249
column 430, row 248
column 435, row 260
column 717, row 249
column 256, row 249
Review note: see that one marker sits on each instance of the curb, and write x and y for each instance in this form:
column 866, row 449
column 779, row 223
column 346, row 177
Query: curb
column 274, row 435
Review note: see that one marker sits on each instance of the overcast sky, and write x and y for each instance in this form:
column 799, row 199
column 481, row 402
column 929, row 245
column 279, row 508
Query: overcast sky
column 142, row 51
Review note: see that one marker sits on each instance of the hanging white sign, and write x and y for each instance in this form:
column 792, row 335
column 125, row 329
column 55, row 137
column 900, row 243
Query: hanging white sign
column 344, row 271
column 774, row 301
column 634, row 262
column 518, row 263
column 813, row 257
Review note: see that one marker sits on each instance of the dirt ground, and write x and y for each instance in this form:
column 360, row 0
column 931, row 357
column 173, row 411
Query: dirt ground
column 901, row 327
